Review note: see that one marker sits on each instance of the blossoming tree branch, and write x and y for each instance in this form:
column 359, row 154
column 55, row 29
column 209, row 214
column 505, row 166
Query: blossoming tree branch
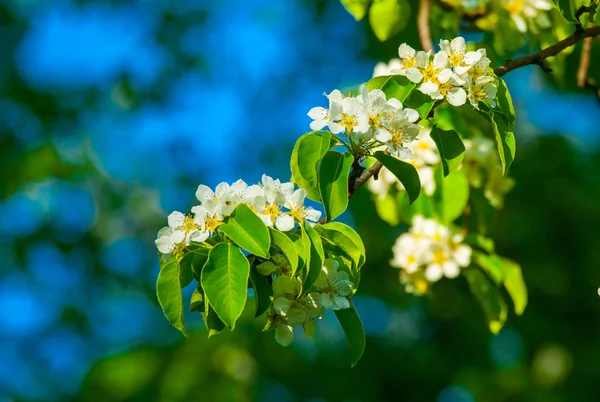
column 431, row 136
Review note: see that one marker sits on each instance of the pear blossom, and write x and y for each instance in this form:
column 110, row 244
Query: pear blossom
column 431, row 73
column 378, row 108
column 459, row 58
column 533, row 11
column 428, row 252
column 408, row 60
column 181, row 230
column 401, row 130
column 482, row 89
column 353, row 118
column 321, row 116
column 334, row 286
column 388, row 68
column 295, row 203
column 269, row 209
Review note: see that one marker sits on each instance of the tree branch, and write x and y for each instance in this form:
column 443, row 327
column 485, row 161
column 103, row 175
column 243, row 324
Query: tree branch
column 423, row 23
column 539, row 57
column 583, row 81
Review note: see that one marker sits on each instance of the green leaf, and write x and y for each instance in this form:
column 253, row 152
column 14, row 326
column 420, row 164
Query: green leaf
column 452, row 196
column 451, row 148
column 225, row 280
column 353, row 328
column 358, row 8
column 491, row 265
column 505, row 102
column 212, row 321
column 307, row 154
column 481, row 242
column 197, row 301
column 420, row 102
column 514, row 283
column 405, row 172
column 317, row 255
column 505, row 141
column 262, row 291
column 286, row 245
column 303, row 245
column 198, row 259
column 489, row 297
column 333, row 182
column 344, row 237
column 168, row 291
column 248, row 231
column 388, row 17
column 394, row 86
column 567, row 9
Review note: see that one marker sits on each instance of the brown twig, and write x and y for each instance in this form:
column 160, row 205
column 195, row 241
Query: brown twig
column 539, row 57
column 423, row 23
column 583, row 81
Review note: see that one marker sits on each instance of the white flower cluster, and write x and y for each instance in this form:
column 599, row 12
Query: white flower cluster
column 371, row 117
column 425, row 157
column 533, row 11
column 452, row 74
column 428, row 252
column 330, row 292
column 482, row 167
column 276, row 203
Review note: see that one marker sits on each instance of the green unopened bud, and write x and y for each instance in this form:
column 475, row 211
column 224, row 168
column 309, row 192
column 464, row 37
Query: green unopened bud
column 266, row 268
column 284, row 334
column 282, row 306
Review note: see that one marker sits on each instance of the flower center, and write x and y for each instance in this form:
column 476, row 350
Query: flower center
column 189, row 224
column 272, row 210
column 515, row 7
column 411, row 259
column 212, row 223
column 349, row 121
column 409, row 62
column 430, row 73
column 374, row 120
column 298, row 214
column 456, row 59
column 439, row 257
column 445, row 87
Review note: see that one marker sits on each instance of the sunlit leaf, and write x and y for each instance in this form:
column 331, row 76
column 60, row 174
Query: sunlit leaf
column 358, row 8
column 225, row 280
column 514, row 283
column 307, row 154
column 394, row 86
column 450, row 147
column 286, row 245
column 317, row 256
column 248, row 231
column 505, row 102
column 168, row 291
column 262, row 291
column 333, row 182
column 489, row 297
column 388, row 17
column 344, row 237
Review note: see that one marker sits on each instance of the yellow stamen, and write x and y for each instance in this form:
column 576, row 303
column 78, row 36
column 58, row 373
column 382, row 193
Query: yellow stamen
column 212, row 223
column 439, row 257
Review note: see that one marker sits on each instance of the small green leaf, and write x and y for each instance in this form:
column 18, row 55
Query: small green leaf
column 505, row 102
column 388, row 17
column 491, row 265
column 212, row 321
column 307, row 154
column 197, row 301
column 317, row 255
column 344, row 237
column 394, row 86
column 262, row 291
column 514, row 283
column 505, row 141
column 451, row 148
column 420, row 102
column 387, row 208
column 198, row 259
column 248, row 231
column 489, row 297
column 567, row 9
column 225, row 280
column 405, row 172
column 168, row 291
column 286, row 245
column 186, row 271
column 333, row 182
column 480, row 242
column 452, row 195
column 353, row 328
column 357, row 8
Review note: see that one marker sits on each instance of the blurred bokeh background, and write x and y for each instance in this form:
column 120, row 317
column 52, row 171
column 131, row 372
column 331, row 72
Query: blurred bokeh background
column 112, row 112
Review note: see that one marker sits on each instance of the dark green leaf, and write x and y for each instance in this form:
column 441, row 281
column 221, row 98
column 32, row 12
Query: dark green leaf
column 248, row 231
column 225, row 280
column 405, row 172
column 262, row 291
column 317, row 255
column 333, row 182
column 168, row 290
column 353, row 328
column 286, row 245
column 567, row 9
column 490, row 264
column 489, row 297
column 212, row 321
column 307, row 154
column 451, row 148
column 197, row 301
